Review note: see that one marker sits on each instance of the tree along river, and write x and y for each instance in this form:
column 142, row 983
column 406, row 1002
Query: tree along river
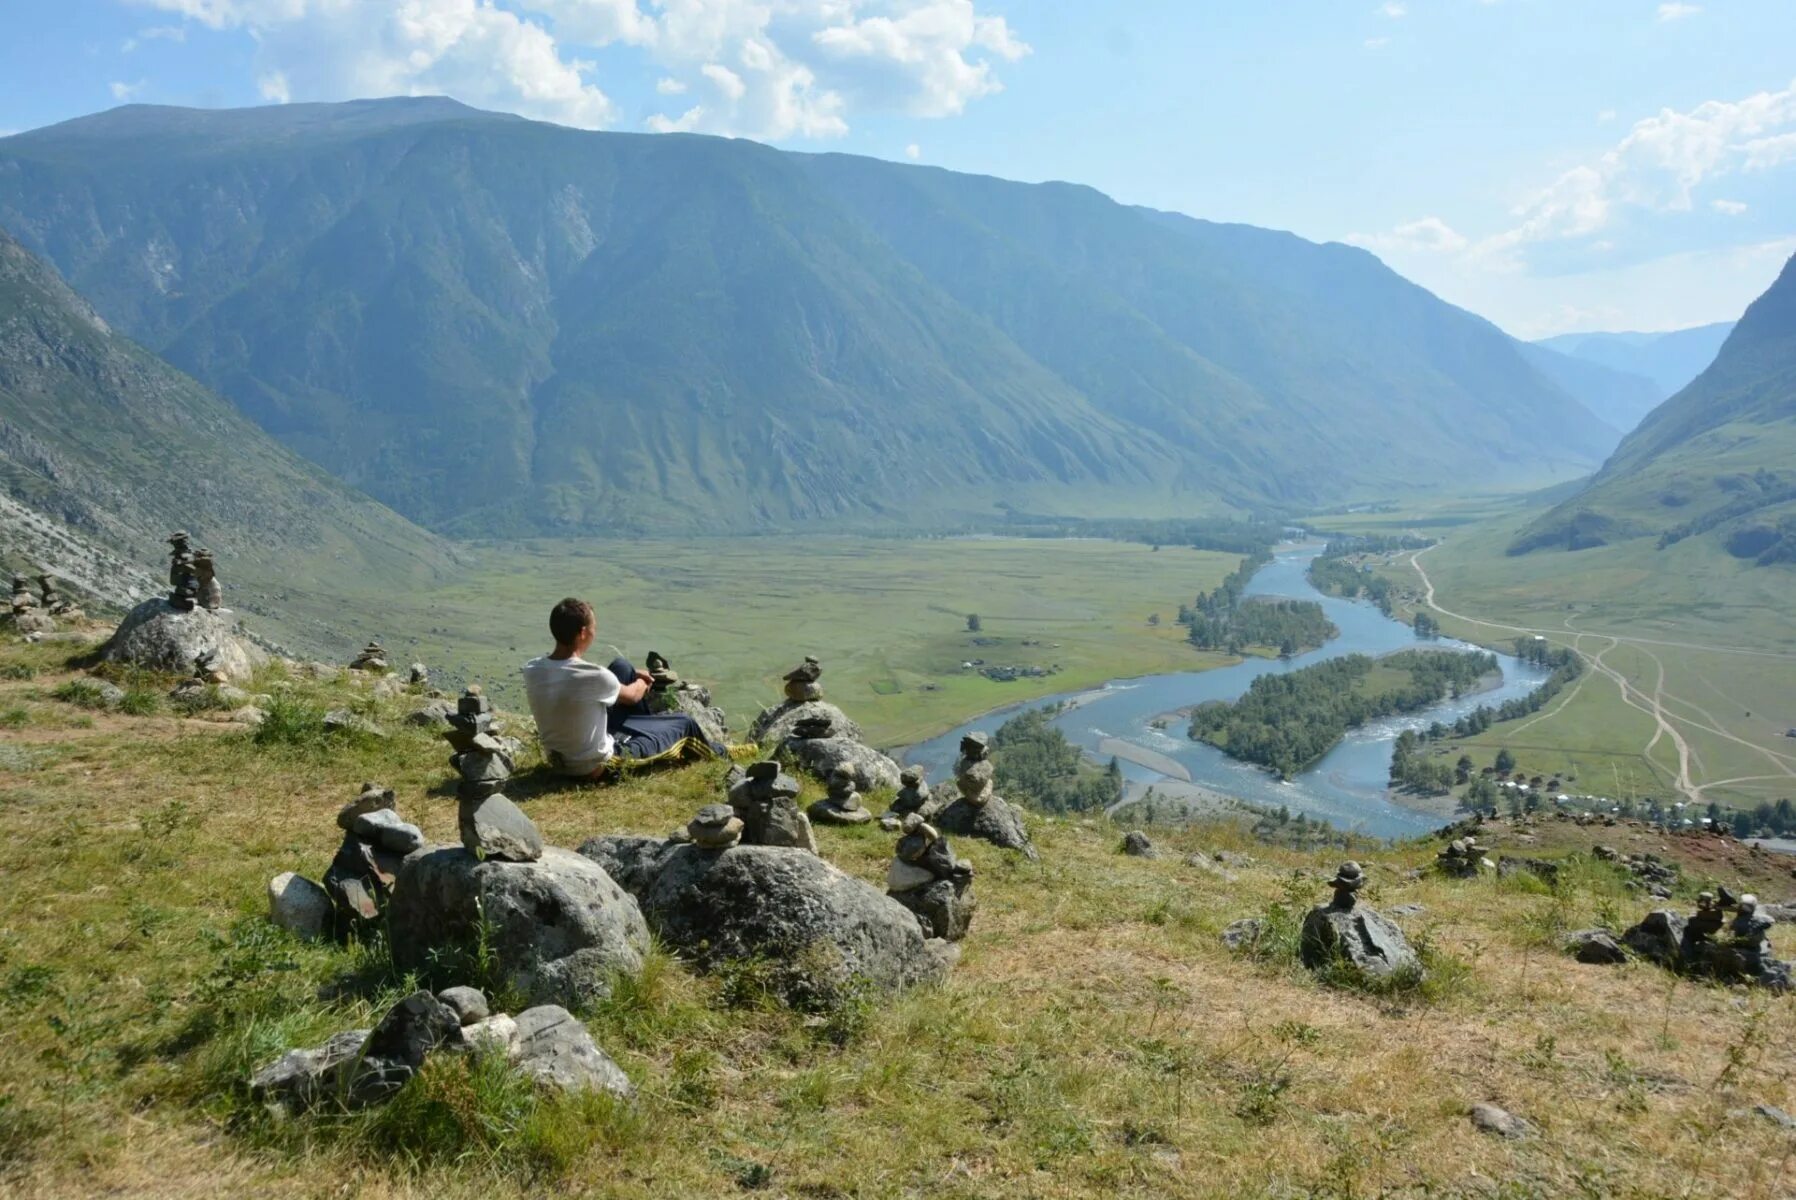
column 1349, row 787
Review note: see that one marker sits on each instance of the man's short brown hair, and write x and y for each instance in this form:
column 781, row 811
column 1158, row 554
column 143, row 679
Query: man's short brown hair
column 568, row 619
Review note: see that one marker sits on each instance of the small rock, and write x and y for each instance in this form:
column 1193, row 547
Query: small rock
column 250, row 715
column 1491, row 1119
column 1406, row 910
column 558, row 1051
column 468, row 1004
column 1242, row 933
column 300, row 906
column 372, row 797
column 1597, row 947
column 384, row 826
column 433, row 715
column 498, row 1033
column 419, row 675
column 299, row 1078
column 497, row 828
column 341, row 720
column 1137, row 845
column 1775, row 1115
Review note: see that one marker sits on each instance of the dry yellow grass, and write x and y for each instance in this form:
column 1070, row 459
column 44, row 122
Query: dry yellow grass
column 1096, row 1039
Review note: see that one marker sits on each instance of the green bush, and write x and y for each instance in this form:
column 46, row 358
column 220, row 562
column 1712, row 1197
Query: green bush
column 82, row 693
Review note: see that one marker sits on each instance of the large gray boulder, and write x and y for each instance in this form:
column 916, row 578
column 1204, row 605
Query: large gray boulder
column 1659, row 937
column 823, row 757
column 299, row 1079
column 559, row 926
column 160, row 637
column 774, row 725
column 711, row 720
column 1359, row 936
column 996, row 821
column 817, row 930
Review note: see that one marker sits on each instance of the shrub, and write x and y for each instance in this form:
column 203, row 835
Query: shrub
column 82, row 693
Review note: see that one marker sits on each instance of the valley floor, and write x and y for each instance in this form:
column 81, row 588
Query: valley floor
column 1097, row 1039
column 887, row 616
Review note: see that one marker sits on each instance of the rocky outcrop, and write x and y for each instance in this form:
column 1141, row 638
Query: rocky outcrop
column 559, row 926
column 774, row 725
column 817, row 930
column 157, row 636
column 1361, row 937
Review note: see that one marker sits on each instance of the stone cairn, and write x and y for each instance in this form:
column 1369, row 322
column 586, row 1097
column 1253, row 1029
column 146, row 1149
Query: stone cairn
column 842, row 805
column 765, row 798
column 373, row 658
column 54, row 602
column 183, row 576
column 491, row 825
column 359, row 881
column 716, row 827
column 1696, row 946
column 801, row 681
column 211, row 592
column 913, row 797
column 23, row 602
column 926, row 878
column 1462, row 858
column 980, row 812
column 1345, row 931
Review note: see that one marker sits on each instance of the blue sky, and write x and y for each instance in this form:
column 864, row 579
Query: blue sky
column 1552, row 164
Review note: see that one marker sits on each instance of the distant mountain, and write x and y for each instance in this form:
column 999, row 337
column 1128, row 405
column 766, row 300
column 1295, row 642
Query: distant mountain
column 1670, row 360
column 504, row 327
column 104, row 449
column 1717, row 460
column 1619, row 399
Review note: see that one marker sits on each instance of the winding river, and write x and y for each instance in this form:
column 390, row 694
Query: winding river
column 1348, row 787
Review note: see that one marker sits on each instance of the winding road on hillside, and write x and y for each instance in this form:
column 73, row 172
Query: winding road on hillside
column 1653, row 704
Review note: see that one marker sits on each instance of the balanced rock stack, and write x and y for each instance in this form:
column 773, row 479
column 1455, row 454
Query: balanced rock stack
column 55, row 603
column 980, row 812
column 1694, row 945
column 25, row 616
column 716, row 827
column 211, row 592
column 842, row 806
column 669, row 693
column 491, row 825
column 926, row 878
column 373, row 658
column 183, row 577
column 766, row 800
column 801, row 681
column 913, row 797
column 1462, row 858
column 1345, row 931
column 359, row 881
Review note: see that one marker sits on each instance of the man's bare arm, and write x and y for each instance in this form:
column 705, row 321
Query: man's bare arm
column 633, row 692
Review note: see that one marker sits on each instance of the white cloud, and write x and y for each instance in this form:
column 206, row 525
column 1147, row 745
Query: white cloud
column 274, row 87
column 155, row 33
column 913, row 152
column 1393, row 10
column 1677, row 12
column 1606, row 116
column 725, row 80
column 1764, row 153
column 1430, row 235
column 779, row 68
column 1377, row 43
column 1728, row 208
column 123, row 92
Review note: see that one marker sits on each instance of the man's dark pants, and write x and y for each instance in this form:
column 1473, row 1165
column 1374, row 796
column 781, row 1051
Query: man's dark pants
column 640, row 733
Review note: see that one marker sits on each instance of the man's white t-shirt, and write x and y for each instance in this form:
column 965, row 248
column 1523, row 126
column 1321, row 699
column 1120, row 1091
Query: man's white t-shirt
column 570, row 699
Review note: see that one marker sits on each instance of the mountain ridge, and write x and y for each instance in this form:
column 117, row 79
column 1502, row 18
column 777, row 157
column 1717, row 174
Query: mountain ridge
column 504, row 327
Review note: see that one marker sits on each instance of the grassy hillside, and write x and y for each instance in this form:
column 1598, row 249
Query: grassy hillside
column 1713, row 462
column 504, row 327
column 99, row 437
column 1095, row 1040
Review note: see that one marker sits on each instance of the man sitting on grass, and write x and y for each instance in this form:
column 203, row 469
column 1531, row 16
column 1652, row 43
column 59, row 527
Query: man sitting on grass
column 588, row 717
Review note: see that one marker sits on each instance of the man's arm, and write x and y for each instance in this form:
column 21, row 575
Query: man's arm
column 632, row 692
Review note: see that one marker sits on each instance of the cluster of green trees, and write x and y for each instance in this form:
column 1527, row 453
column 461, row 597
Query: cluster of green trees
column 1416, row 770
column 1565, row 665
column 1037, row 765
column 1427, row 626
column 1331, row 573
column 1287, row 722
column 1226, row 619
column 1767, row 820
column 1199, row 533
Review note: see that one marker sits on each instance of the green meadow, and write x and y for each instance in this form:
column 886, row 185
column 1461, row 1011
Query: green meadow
column 888, row 617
